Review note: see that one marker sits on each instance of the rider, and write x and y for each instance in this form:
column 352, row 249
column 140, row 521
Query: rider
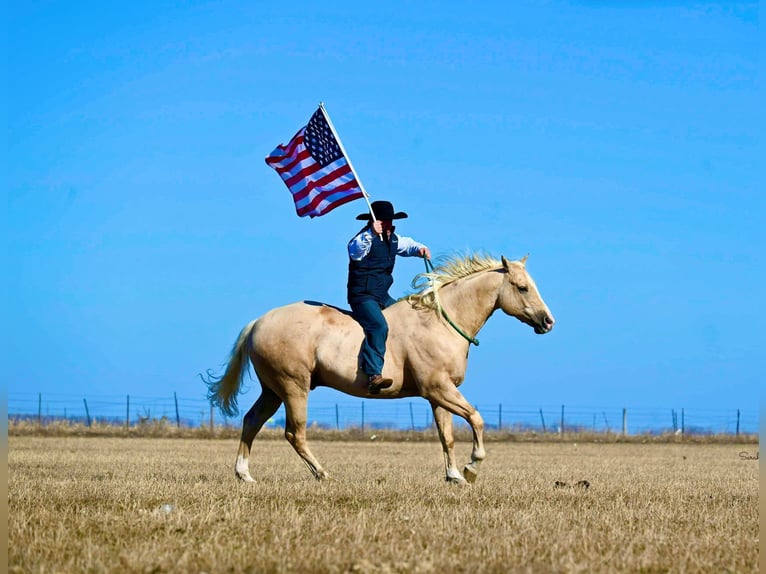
column 372, row 253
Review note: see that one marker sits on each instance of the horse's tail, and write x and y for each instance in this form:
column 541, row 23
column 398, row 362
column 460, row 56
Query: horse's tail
column 222, row 391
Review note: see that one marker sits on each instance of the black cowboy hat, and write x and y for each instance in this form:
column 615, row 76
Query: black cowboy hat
column 384, row 211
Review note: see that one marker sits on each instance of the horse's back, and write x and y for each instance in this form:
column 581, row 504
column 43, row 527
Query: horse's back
column 299, row 322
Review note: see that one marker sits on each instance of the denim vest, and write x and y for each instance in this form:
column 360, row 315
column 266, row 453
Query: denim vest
column 372, row 275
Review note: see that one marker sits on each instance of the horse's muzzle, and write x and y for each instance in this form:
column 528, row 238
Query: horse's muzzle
column 545, row 325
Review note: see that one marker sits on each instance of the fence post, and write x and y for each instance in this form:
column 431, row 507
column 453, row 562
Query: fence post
column 562, row 419
column 683, row 423
column 127, row 415
column 178, row 416
column 624, row 421
column 606, row 422
column 212, row 428
column 500, row 417
column 674, row 419
column 737, row 422
column 542, row 419
column 412, row 418
column 39, row 409
column 337, row 417
column 87, row 413
column 362, row 416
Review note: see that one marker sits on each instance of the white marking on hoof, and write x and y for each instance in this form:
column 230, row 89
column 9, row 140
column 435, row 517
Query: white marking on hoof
column 242, row 471
column 454, row 477
column 459, row 481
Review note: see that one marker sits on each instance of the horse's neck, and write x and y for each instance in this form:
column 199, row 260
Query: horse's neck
column 470, row 301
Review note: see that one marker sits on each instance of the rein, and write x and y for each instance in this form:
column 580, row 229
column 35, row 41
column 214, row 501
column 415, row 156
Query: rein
column 429, row 269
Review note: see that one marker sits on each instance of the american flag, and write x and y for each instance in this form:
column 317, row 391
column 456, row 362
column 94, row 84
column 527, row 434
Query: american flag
column 315, row 170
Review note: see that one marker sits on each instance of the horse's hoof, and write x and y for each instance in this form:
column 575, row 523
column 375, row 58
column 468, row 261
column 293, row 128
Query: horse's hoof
column 245, row 477
column 470, row 474
column 459, row 480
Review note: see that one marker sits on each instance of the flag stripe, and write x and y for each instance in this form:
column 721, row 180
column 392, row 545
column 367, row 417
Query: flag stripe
column 301, row 159
column 300, row 154
column 340, row 175
column 293, row 177
column 324, row 203
column 300, row 162
column 316, row 190
column 286, row 151
column 326, row 207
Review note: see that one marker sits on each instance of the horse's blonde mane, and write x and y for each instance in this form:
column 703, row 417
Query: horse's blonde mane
column 448, row 269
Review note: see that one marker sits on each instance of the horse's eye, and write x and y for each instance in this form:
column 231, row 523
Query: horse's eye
column 523, row 288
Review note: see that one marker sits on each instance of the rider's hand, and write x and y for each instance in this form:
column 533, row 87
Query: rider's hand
column 377, row 227
column 425, row 252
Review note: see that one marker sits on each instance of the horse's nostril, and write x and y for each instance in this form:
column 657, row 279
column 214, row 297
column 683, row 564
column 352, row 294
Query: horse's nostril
column 548, row 321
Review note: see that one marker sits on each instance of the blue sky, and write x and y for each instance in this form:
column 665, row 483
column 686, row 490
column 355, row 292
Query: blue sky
column 615, row 142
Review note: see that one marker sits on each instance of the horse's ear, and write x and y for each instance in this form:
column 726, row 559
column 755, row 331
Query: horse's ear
column 524, row 260
column 505, row 262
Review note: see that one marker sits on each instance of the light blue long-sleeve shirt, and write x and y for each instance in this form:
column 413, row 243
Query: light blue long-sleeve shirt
column 360, row 244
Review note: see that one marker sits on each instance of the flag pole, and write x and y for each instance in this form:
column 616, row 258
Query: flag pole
column 348, row 159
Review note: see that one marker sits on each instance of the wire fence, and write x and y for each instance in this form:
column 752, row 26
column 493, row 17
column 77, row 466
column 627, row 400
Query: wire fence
column 404, row 414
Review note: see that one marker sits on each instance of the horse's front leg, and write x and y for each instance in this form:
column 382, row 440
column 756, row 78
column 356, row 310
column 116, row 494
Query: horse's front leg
column 449, row 398
column 478, row 453
column 443, row 420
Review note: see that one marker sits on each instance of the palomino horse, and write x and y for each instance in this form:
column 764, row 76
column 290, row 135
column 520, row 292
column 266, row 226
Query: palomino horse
column 298, row 347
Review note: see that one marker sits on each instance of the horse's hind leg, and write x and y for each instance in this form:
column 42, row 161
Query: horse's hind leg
column 263, row 409
column 295, row 433
column 443, row 420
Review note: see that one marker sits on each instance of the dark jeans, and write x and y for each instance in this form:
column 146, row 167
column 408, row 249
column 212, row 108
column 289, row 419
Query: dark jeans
column 369, row 313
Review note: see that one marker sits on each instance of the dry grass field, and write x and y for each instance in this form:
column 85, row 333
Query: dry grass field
column 109, row 504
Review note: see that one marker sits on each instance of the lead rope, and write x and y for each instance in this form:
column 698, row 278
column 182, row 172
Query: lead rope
column 429, row 269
